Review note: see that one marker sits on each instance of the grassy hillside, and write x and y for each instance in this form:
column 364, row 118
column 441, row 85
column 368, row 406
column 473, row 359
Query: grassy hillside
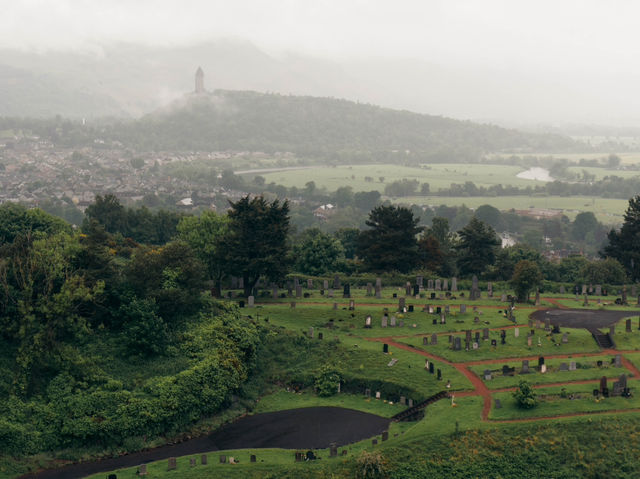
column 244, row 120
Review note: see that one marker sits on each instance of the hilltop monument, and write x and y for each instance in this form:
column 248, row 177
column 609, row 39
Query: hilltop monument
column 199, row 81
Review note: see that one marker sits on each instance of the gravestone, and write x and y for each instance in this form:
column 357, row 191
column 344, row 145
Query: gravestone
column 454, row 284
column 309, row 284
column 476, row 320
column 369, row 289
column 434, row 339
column 624, row 296
column 142, row 469
column 293, row 304
column 562, row 290
column 584, row 289
column 407, row 289
column 251, row 303
column 467, row 335
column 374, row 442
column 311, row 332
column 586, row 300
column 325, row 284
column 457, row 343
column 240, row 283
column 172, row 464
column 403, row 401
column 385, row 348
column 494, row 343
column 420, row 281
column 516, row 332
column 223, row 459
column 333, row 450
column 503, row 337
column 543, row 368
column 192, row 461
column 367, row 322
column 445, row 284
column 529, row 340
column 335, row 306
column 430, row 309
column 540, row 361
column 487, row 375
column 617, row 361
column 463, row 308
column 503, row 298
column 252, row 458
column 430, row 284
column 352, row 305
column 498, row 404
column 525, row 367
column 439, row 375
column 438, row 285
column 628, row 326
column 367, row 392
column 346, row 291
column 432, row 368
column 443, row 318
column 564, row 367
column 565, row 338
column 336, row 282
column 475, row 291
column 537, row 303
column 485, row 334
column 603, row 384
column 320, row 335
column 410, row 402
column 330, row 293
column 598, row 290
column 401, row 304
column 299, row 291
column 447, row 309
column 490, row 289
column 416, row 291
column 392, row 322
column 477, row 337
column 203, row 459
column 572, row 366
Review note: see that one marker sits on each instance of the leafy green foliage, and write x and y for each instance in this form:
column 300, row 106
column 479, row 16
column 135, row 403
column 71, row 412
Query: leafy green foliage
column 318, row 253
column 327, row 381
column 525, row 396
column 624, row 245
column 526, row 277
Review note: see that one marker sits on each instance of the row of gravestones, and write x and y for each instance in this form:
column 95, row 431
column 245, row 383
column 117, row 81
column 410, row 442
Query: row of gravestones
column 173, row 463
column 378, row 395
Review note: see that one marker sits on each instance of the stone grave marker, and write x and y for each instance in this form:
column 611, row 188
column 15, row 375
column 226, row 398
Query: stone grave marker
column 369, row 289
column 565, row 338
column 336, row 282
column 485, row 334
column 598, row 290
column 330, row 293
column 617, row 361
column 454, row 284
column 498, row 404
column 410, row 402
column 367, row 322
column 311, row 332
column 203, row 459
column 432, row 368
column 447, row 309
column 385, row 318
column 490, row 289
column 529, row 340
column 564, row 367
column 537, row 303
column 385, row 348
column 477, row 336
column 475, row 291
column 420, row 281
column 377, row 394
column 223, row 459
column 401, row 304
column 431, row 311
column 346, row 291
column 628, row 326
column 172, row 464
column 425, row 341
column 603, row 384
column 309, row 284
column 445, row 284
column 403, row 401
column 562, row 290
column 494, row 343
column 503, row 298
column 439, row 374
column 434, row 339
column 335, row 306
column 525, row 367
column 463, row 308
column 252, row 458
column 572, row 366
column 251, row 303
column 192, row 461
column 352, row 305
column 487, row 375
column 438, row 285
column 298, row 291
column 430, row 284
column 142, row 469
column 476, row 320
column 457, row 343
column 374, row 442
column 325, row 284
column 392, row 322
column 586, row 300
column 543, row 368
column 516, row 332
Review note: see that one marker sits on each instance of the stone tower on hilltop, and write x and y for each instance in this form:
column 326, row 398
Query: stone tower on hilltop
column 199, row 81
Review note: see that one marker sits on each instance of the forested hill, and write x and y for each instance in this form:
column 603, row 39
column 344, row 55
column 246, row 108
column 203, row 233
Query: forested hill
column 243, row 120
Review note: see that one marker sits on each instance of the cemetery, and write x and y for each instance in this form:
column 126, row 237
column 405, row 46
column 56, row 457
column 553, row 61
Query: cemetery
column 393, row 350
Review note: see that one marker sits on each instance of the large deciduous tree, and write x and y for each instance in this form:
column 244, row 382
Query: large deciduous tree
column 391, row 243
column 205, row 235
column 318, row 253
column 624, row 245
column 256, row 244
column 526, row 277
column 477, row 247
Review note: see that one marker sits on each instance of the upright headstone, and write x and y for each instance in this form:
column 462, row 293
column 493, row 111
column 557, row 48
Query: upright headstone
column 490, row 289
column 325, row 284
column 383, row 323
column 537, row 297
column 203, row 459
column 454, row 284
column 584, row 289
column 172, row 464
column 628, row 326
column 367, row 322
column 251, row 302
column 336, row 282
column 438, row 285
column 503, row 298
column 525, row 366
column 430, row 284
column 572, row 366
column 142, row 469
column 346, row 292
column 586, row 300
column 445, row 284
column 369, row 289
column 392, row 322
column 434, row 339
column 463, row 308
column 516, row 332
column 299, row 291
column 603, row 384
column 311, row 331
column 457, row 343
column 562, row 290
column 222, row 459
column 565, row 338
column 420, row 281
column 475, row 291
column 485, row 334
column 598, row 290
column 192, row 461
column 352, row 305
column 624, row 296
column 617, row 361
column 401, row 304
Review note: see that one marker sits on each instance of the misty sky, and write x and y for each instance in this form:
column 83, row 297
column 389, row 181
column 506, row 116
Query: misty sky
column 593, row 45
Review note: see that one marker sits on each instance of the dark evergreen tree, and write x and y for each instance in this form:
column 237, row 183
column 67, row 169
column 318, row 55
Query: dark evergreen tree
column 391, row 243
column 477, row 247
column 256, row 244
column 624, row 245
